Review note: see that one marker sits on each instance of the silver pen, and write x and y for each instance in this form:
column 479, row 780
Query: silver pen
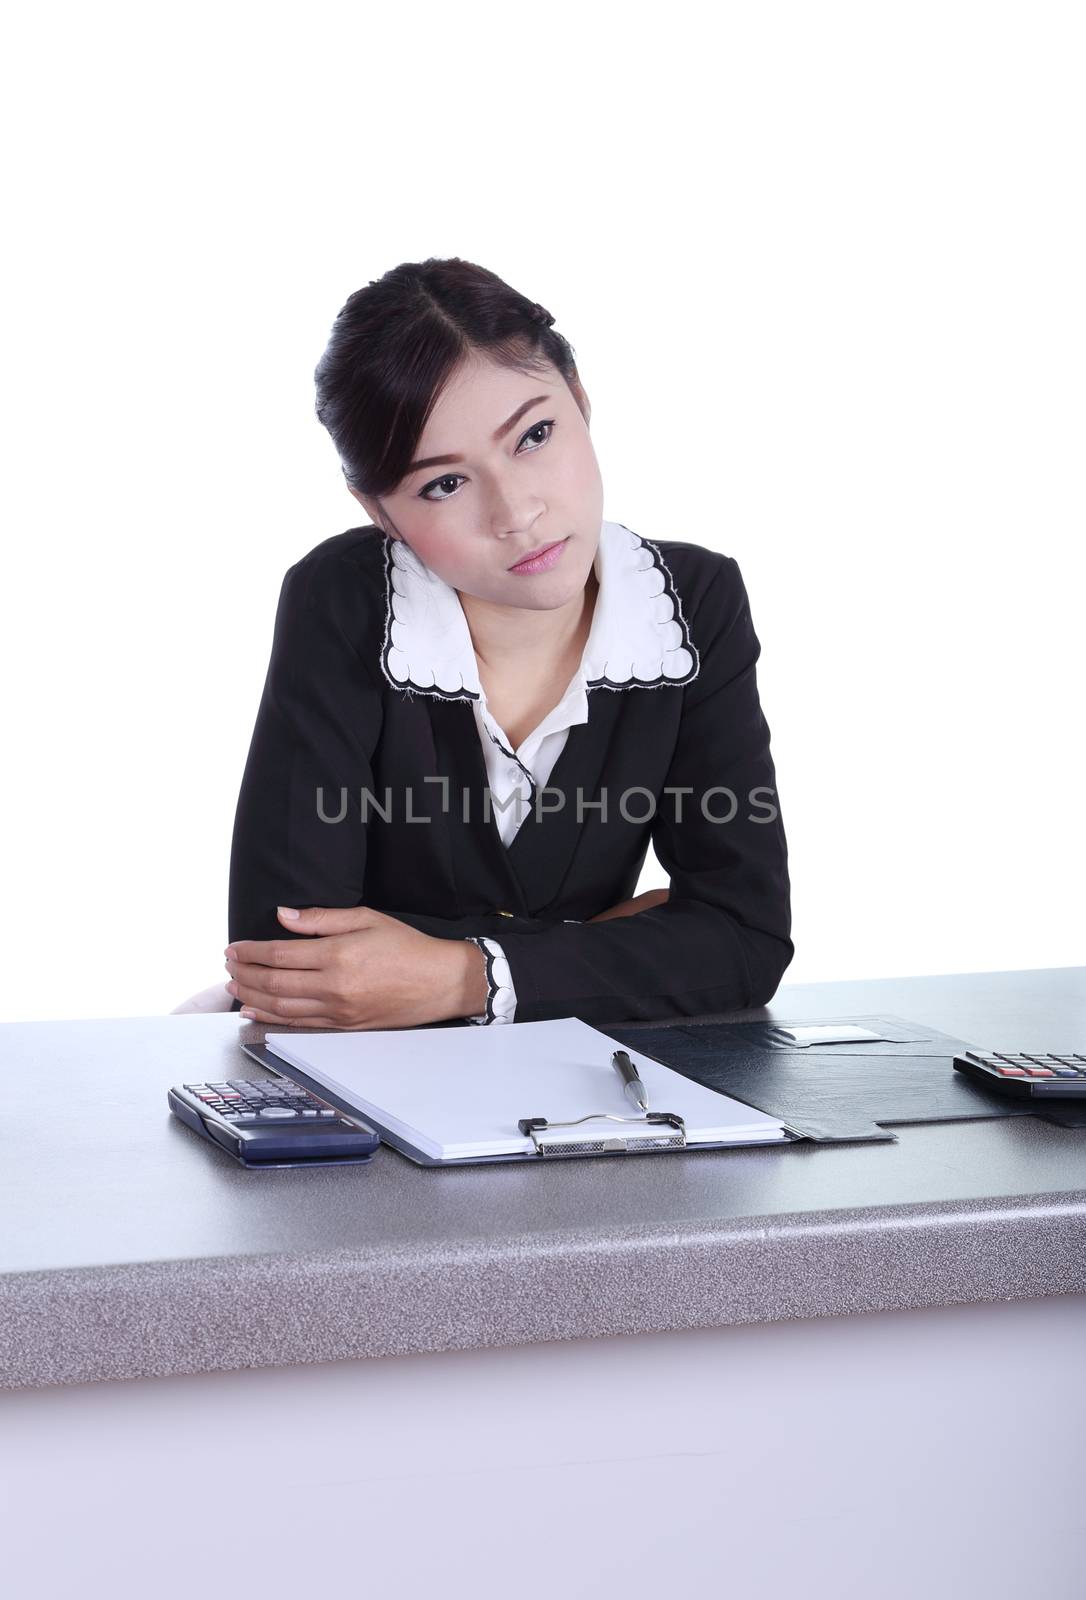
column 631, row 1083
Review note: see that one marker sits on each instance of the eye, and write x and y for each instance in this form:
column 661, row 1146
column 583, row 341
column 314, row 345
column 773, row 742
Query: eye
column 451, row 477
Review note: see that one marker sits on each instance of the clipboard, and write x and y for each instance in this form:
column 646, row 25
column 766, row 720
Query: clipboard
column 651, row 1133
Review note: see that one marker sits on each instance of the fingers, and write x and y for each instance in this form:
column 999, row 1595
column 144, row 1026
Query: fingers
column 327, row 919
column 271, row 985
column 630, row 908
column 652, row 897
column 284, row 995
column 316, row 922
column 252, row 1015
column 277, row 953
column 280, row 1008
column 625, row 908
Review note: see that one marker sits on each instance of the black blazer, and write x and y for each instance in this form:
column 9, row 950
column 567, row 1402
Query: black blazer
column 331, row 719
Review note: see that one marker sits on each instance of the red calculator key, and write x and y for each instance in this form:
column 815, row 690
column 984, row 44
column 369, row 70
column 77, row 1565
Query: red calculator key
column 1040, row 1072
column 1011, row 1072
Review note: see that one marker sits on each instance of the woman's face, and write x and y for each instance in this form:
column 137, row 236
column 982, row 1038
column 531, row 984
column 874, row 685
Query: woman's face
column 474, row 516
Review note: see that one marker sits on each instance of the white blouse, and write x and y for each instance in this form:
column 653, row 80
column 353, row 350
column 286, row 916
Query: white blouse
column 511, row 776
column 635, row 638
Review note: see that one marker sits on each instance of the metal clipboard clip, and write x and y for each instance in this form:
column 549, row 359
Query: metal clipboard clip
column 548, row 1142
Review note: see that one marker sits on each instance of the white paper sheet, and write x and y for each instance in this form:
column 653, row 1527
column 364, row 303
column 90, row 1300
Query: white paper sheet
column 461, row 1091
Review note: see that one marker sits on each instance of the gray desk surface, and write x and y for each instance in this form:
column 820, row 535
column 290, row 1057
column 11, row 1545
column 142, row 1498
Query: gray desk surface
column 130, row 1248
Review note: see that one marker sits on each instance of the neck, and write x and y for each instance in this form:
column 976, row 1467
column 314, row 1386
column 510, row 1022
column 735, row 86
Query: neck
column 503, row 636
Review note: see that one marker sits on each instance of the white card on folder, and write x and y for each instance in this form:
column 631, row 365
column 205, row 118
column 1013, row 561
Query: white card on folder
column 826, row 1033
column 455, row 1092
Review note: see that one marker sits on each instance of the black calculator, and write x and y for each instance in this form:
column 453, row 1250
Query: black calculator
column 1028, row 1075
column 272, row 1122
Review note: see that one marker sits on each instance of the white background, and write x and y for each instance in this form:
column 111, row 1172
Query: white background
column 822, row 268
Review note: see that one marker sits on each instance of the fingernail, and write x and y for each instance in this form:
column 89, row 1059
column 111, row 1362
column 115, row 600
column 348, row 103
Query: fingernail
column 245, row 1012
column 289, row 912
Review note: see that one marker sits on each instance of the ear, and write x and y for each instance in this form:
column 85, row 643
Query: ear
column 372, row 509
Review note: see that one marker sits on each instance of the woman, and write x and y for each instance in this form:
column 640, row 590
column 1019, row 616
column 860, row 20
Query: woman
column 483, row 706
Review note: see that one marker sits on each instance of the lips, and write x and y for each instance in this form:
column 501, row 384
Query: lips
column 532, row 554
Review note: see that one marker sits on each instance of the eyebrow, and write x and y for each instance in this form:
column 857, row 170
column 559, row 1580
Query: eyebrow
column 497, row 435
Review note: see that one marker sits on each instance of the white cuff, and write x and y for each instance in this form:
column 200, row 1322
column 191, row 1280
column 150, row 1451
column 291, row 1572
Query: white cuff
column 501, row 1000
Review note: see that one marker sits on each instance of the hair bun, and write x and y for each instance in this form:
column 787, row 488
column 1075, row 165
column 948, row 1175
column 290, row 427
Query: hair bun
column 540, row 314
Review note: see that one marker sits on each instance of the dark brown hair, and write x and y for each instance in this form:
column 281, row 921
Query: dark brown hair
column 394, row 345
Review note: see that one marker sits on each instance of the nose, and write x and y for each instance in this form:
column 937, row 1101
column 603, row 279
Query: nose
column 515, row 520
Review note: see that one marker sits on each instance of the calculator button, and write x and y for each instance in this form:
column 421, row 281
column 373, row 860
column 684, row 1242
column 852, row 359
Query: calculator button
column 309, row 1113
column 327, row 1113
column 1065, row 1072
column 1011, row 1072
column 1040, row 1072
column 276, row 1111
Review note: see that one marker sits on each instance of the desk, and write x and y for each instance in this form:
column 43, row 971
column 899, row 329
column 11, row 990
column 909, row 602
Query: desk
column 819, row 1386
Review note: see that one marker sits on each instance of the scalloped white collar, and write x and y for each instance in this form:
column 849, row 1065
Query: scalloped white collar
column 639, row 638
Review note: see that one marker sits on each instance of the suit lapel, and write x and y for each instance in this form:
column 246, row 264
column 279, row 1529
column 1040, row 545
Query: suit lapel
column 478, row 857
column 526, row 875
column 543, row 846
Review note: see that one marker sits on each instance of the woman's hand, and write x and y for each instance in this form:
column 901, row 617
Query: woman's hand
column 359, row 969
column 630, row 908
